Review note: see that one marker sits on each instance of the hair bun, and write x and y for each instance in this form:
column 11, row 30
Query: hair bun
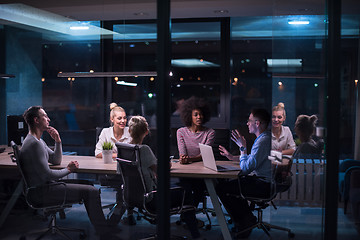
column 281, row 104
column 313, row 118
column 113, row 105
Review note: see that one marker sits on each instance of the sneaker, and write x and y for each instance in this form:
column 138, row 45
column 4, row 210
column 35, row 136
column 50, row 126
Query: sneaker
column 129, row 220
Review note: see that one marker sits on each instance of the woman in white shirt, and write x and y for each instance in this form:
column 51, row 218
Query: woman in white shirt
column 118, row 132
column 282, row 139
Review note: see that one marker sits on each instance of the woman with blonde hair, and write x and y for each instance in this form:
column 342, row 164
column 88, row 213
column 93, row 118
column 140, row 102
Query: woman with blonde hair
column 118, row 132
column 282, row 138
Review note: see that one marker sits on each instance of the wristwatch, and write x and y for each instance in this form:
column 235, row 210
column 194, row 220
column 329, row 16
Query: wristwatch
column 242, row 148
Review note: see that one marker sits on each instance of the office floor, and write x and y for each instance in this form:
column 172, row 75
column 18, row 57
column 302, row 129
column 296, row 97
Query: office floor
column 305, row 223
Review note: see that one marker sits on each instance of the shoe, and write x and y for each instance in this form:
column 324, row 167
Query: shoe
column 200, row 224
column 129, row 220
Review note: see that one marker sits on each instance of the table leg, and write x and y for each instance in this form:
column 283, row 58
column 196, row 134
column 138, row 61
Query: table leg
column 219, row 213
column 10, row 204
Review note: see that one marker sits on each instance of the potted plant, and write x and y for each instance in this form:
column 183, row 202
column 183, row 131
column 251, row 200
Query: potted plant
column 107, row 150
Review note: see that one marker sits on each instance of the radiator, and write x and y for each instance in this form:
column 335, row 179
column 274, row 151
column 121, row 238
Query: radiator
column 307, row 188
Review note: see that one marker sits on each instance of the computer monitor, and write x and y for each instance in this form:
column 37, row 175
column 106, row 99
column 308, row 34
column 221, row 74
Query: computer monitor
column 17, row 129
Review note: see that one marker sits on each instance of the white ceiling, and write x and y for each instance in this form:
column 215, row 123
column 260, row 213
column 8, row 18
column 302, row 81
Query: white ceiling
column 146, row 9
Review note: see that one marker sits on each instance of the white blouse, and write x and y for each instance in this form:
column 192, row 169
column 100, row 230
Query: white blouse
column 285, row 141
column 107, row 135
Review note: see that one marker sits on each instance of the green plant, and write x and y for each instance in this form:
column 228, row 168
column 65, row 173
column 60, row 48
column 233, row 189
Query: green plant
column 107, row 146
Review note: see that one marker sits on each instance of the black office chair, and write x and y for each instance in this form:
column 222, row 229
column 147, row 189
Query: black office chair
column 134, row 188
column 49, row 210
column 281, row 182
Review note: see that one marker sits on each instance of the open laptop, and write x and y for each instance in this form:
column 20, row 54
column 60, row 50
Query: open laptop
column 208, row 158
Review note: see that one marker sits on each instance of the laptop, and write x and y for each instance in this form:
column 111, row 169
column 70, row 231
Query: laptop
column 208, row 158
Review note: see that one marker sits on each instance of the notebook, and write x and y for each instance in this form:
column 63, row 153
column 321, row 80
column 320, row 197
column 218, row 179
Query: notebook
column 207, row 155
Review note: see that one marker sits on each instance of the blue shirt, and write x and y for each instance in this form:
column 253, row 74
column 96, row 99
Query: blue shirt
column 258, row 162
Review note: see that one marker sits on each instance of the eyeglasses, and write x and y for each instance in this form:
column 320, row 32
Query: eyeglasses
column 252, row 120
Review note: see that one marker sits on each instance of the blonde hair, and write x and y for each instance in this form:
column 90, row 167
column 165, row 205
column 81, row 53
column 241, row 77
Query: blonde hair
column 306, row 125
column 280, row 107
column 114, row 108
column 138, row 126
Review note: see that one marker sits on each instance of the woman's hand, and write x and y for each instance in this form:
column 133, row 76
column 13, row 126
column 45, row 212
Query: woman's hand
column 184, row 159
column 54, row 134
column 237, row 138
column 72, row 166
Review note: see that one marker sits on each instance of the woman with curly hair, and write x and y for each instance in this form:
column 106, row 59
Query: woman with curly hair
column 194, row 112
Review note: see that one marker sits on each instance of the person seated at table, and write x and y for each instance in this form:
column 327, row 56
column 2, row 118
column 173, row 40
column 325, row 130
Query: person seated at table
column 139, row 128
column 282, row 138
column 194, row 112
column 36, row 156
column 117, row 132
column 304, row 129
column 256, row 163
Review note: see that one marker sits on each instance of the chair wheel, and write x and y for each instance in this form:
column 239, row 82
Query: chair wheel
column 208, row 227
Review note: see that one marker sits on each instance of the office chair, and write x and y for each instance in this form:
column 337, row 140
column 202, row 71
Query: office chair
column 281, row 182
column 48, row 209
column 134, row 188
column 111, row 181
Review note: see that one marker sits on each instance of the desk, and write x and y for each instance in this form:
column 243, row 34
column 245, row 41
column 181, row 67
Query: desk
column 89, row 164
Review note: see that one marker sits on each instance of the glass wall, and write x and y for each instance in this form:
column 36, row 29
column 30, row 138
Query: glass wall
column 278, row 57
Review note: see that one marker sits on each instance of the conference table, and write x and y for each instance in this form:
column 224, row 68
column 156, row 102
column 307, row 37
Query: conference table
column 90, row 164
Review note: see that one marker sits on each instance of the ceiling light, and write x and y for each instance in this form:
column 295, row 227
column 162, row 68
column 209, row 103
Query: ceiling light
column 298, row 22
column 192, row 63
column 126, row 83
column 284, row 62
column 6, row 75
column 79, row 28
column 106, row 74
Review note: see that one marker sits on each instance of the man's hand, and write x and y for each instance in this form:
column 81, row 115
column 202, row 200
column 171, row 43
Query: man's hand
column 72, row 166
column 54, row 134
column 224, row 152
column 237, row 138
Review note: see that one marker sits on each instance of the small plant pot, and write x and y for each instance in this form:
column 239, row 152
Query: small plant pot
column 107, row 156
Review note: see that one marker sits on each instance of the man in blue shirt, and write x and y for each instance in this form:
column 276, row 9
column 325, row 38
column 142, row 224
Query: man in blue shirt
column 256, row 163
